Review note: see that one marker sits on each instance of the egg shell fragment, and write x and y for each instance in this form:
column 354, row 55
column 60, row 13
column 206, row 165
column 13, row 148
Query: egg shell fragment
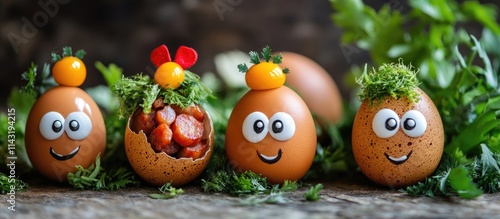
column 160, row 168
column 426, row 150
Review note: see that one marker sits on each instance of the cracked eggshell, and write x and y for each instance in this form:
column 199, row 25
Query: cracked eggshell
column 315, row 85
column 160, row 168
column 371, row 151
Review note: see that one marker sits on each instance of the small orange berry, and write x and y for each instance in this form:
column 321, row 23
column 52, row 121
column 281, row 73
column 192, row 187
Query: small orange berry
column 69, row 71
column 265, row 75
column 169, row 75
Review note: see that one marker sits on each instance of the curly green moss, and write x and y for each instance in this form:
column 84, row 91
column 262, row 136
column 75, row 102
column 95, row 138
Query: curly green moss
column 394, row 79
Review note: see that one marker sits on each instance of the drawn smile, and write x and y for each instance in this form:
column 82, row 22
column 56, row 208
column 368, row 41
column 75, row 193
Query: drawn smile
column 398, row 160
column 64, row 157
column 270, row 159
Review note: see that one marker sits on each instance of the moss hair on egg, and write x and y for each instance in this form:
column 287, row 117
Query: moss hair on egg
column 391, row 79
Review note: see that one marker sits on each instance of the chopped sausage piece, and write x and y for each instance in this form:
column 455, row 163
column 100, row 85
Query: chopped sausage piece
column 158, row 104
column 160, row 137
column 187, row 130
column 192, row 110
column 165, row 116
column 172, row 148
column 141, row 121
column 196, row 151
column 195, row 111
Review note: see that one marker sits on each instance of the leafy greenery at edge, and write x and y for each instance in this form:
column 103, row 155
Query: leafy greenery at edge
column 465, row 93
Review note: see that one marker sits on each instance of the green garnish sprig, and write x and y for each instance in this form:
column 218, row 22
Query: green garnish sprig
column 67, row 51
column 167, row 191
column 141, row 91
column 266, row 55
column 392, row 79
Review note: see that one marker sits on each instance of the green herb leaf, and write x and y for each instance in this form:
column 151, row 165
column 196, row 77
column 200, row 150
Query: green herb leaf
column 254, row 57
column 96, row 178
column 461, row 182
column 7, row 184
column 167, row 191
column 111, row 73
column 313, row 193
column 266, row 53
column 243, row 68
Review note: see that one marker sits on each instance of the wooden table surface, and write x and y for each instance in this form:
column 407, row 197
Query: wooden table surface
column 342, row 198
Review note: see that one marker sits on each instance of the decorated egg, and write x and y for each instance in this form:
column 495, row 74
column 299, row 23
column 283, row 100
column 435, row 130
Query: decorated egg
column 309, row 79
column 65, row 127
column 169, row 137
column 270, row 130
column 397, row 135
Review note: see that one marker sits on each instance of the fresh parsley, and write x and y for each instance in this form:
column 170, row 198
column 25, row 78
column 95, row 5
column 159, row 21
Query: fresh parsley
column 313, row 193
column 167, row 191
column 141, row 91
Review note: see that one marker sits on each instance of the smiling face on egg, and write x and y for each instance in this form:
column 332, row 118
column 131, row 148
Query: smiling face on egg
column 398, row 143
column 65, row 128
column 271, row 132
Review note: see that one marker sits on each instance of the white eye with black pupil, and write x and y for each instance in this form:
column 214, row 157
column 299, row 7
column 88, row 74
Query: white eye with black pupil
column 414, row 123
column 255, row 127
column 78, row 125
column 385, row 124
column 282, row 126
column 391, row 124
column 51, row 125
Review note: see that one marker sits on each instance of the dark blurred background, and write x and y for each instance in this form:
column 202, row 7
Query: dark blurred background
column 125, row 32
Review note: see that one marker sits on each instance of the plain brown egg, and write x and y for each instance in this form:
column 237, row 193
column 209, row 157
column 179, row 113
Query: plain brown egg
column 373, row 153
column 57, row 157
column 276, row 157
column 158, row 168
column 316, row 87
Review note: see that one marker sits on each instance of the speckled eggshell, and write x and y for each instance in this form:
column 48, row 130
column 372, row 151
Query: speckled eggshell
column 309, row 79
column 160, row 168
column 64, row 100
column 426, row 150
column 297, row 152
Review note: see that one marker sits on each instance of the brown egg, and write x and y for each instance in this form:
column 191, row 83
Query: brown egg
column 398, row 143
column 158, row 168
column 65, row 128
column 271, row 132
column 316, row 87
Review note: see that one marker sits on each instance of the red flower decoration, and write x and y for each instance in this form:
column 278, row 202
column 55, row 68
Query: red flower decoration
column 185, row 56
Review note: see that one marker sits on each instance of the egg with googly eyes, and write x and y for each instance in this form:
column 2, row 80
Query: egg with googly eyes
column 272, row 133
column 65, row 128
column 397, row 141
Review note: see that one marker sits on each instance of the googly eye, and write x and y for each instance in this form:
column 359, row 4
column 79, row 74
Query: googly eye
column 77, row 125
column 414, row 123
column 255, row 127
column 51, row 125
column 281, row 126
column 385, row 123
